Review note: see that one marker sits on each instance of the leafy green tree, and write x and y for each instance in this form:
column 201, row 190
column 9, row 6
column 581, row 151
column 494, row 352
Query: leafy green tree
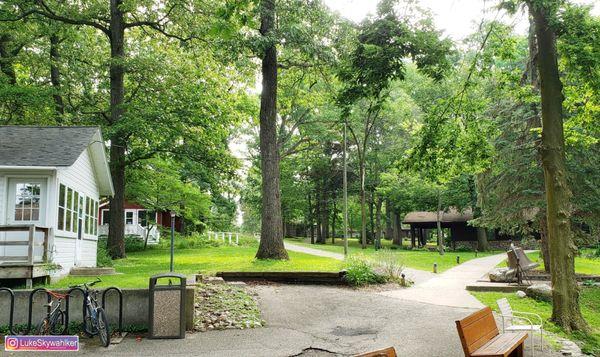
column 383, row 43
column 156, row 184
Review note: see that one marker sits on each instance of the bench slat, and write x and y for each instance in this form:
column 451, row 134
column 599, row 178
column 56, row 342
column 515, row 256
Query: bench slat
column 502, row 345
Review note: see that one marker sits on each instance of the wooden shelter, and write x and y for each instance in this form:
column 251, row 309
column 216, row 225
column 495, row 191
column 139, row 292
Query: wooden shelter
column 455, row 221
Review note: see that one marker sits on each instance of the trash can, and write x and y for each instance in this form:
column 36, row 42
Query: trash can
column 167, row 306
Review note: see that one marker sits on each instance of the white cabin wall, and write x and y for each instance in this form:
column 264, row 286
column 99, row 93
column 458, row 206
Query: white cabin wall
column 81, row 177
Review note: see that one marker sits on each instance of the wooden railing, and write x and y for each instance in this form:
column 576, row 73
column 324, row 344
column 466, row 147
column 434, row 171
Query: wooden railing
column 30, row 243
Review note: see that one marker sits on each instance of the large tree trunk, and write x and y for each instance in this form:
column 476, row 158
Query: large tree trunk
column 535, row 121
column 116, row 227
column 271, row 238
column 544, row 245
column 565, row 292
column 363, row 205
column 59, row 106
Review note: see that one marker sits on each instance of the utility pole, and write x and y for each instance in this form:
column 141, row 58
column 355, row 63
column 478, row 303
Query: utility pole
column 345, row 191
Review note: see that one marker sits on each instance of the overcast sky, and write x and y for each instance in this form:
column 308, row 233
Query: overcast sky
column 458, row 18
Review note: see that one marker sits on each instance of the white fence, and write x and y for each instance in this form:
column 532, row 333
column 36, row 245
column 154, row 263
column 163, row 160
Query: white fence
column 225, row 237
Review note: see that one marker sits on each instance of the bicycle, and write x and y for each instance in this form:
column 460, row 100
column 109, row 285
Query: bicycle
column 54, row 322
column 95, row 321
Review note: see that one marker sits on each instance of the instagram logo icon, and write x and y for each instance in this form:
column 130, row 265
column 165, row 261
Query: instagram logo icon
column 11, row 343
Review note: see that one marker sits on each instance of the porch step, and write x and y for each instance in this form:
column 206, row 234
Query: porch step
column 91, row 271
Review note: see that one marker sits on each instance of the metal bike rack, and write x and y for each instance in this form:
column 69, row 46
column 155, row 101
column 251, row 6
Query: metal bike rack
column 33, row 292
column 12, row 309
column 69, row 292
column 114, row 288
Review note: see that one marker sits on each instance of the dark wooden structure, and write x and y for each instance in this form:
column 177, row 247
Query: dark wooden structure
column 479, row 336
column 297, row 277
column 421, row 222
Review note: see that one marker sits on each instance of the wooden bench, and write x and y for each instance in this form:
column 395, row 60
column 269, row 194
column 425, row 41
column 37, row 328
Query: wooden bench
column 386, row 352
column 479, row 336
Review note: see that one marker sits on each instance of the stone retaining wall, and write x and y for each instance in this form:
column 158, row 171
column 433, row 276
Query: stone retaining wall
column 135, row 307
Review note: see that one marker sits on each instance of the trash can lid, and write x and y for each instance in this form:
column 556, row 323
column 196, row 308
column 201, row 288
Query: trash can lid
column 154, row 278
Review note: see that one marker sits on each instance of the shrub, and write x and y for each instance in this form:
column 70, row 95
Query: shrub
column 102, row 257
column 360, row 272
column 134, row 243
column 389, row 264
column 195, row 240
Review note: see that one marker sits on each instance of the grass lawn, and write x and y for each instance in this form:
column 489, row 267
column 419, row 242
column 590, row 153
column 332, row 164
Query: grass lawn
column 583, row 265
column 590, row 308
column 139, row 266
column 416, row 259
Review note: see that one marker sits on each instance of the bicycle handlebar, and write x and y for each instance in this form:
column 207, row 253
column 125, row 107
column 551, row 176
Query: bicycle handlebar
column 88, row 284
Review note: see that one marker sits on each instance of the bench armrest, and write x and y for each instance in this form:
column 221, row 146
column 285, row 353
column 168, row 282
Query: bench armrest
column 538, row 317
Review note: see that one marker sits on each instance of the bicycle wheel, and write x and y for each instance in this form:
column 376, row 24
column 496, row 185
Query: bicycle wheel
column 57, row 323
column 103, row 328
column 43, row 327
column 89, row 324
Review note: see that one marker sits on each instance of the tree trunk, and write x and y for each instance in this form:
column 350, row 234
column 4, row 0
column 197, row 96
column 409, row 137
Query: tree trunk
column 116, row 227
column 440, row 237
column 59, row 106
column 372, row 218
column 271, row 238
column 311, row 220
column 363, row 206
column 544, row 245
column 388, row 220
column 565, row 292
column 324, row 213
column 397, row 229
column 319, row 216
column 333, row 216
column 378, row 204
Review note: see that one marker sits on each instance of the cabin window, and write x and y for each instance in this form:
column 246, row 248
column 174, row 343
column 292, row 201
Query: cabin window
column 128, row 217
column 61, row 207
column 27, row 202
column 91, row 220
column 73, row 206
column 95, row 220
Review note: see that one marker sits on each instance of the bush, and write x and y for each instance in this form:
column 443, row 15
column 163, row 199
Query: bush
column 195, row 240
column 133, row 244
column 102, row 257
column 360, row 272
column 389, row 264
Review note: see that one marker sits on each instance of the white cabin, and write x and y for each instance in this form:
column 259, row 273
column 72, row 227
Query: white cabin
column 51, row 181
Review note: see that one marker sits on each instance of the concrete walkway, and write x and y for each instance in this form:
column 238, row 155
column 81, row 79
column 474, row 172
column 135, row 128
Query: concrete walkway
column 448, row 288
column 417, row 276
column 334, row 321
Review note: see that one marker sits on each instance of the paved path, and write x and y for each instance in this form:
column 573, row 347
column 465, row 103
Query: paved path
column 448, row 288
column 415, row 275
column 340, row 320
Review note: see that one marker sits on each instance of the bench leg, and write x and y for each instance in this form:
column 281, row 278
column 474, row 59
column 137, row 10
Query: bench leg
column 517, row 352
